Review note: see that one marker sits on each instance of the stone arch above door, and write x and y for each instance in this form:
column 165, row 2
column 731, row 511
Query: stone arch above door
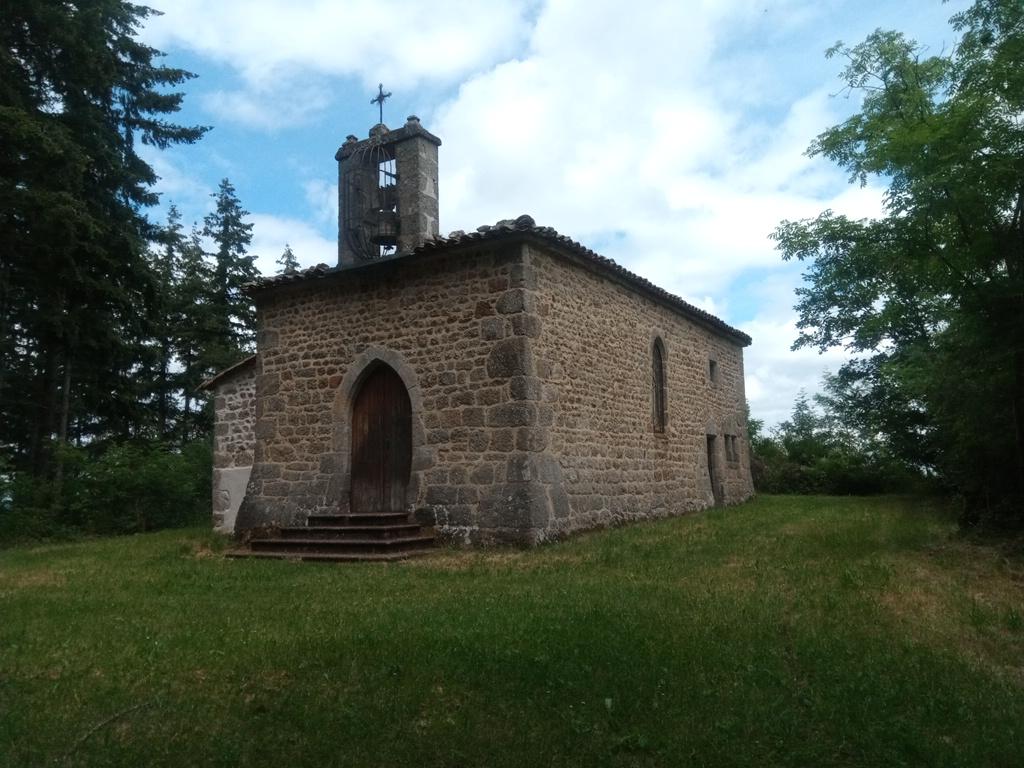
column 348, row 389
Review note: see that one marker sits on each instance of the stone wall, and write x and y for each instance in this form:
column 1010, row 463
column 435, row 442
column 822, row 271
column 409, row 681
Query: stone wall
column 416, row 164
column 453, row 326
column 593, row 351
column 234, row 414
column 530, row 382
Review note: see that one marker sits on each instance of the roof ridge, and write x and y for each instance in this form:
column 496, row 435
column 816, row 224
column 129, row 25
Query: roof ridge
column 523, row 224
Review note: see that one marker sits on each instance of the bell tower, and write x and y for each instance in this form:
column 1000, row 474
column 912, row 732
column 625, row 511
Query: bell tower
column 387, row 192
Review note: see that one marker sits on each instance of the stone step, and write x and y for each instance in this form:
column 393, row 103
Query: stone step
column 350, row 531
column 362, row 518
column 354, row 545
column 335, row 557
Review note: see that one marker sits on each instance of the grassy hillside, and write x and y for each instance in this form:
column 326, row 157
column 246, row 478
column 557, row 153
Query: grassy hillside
column 789, row 631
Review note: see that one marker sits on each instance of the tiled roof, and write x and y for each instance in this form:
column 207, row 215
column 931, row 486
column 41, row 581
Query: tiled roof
column 505, row 229
column 227, row 373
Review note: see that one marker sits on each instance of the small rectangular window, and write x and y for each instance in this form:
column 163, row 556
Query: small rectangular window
column 732, row 452
column 713, row 371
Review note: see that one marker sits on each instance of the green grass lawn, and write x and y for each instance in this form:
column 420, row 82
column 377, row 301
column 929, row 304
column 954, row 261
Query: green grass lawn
column 788, row 631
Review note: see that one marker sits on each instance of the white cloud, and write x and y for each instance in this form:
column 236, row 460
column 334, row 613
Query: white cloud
column 397, row 41
column 670, row 135
column 775, row 373
column 177, row 185
column 287, row 51
column 625, row 139
column 271, row 233
column 322, row 198
column 284, row 102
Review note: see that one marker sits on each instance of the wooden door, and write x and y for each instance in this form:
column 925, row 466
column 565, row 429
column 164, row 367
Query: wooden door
column 381, row 443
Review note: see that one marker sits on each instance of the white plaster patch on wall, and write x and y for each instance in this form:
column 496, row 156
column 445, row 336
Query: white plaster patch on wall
column 228, row 491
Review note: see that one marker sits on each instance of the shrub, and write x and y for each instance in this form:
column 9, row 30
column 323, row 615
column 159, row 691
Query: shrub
column 812, row 454
column 122, row 488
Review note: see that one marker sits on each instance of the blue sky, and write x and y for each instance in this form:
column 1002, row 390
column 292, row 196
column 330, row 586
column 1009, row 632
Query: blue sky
column 668, row 136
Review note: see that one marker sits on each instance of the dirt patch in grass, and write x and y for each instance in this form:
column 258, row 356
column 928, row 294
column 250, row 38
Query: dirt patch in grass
column 965, row 597
column 737, row 575
column 201, row 550
column 42, row 577
column 457, row 561
column 205, row 547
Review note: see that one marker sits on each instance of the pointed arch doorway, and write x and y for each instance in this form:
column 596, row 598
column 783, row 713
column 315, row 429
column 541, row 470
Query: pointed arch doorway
column 381, row 443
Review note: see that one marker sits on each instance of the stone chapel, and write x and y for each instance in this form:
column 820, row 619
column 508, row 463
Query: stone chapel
column 506, row 385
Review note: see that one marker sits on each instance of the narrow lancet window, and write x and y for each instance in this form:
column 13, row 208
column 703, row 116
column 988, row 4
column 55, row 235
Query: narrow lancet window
column 658, row 375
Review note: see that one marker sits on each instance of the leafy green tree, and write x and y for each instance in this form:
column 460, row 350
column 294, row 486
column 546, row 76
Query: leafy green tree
column 934, row 291
column 287, row 260
column 802, row 435
column 815, row 451
column 869, row 400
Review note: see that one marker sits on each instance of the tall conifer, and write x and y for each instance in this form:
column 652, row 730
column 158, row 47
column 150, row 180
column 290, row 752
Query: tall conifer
column 233, row 268
column 77, row 94
column 287, row 260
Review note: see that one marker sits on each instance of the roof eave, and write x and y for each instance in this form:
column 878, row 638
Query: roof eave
column 227, row 373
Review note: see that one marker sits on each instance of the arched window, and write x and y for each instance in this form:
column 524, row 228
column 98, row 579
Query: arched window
column 658, row 385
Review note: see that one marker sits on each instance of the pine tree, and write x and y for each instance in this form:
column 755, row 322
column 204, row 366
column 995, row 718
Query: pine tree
column 199, row 322
column 166, row 318
column 287, row 260
column 197, row 330
column 233, row 268
column 77, row 91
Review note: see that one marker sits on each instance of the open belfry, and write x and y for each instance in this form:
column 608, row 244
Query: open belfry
column 382, row 212
column 505, row 385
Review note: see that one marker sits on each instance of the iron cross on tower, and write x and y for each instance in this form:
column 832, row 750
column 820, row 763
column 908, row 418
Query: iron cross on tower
column 379, row 100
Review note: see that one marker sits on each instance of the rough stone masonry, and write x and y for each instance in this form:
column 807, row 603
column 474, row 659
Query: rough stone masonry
column 529, row 364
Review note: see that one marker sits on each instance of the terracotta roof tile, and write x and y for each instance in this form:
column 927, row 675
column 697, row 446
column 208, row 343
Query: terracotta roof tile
column 227, row 373
column 523, row 225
